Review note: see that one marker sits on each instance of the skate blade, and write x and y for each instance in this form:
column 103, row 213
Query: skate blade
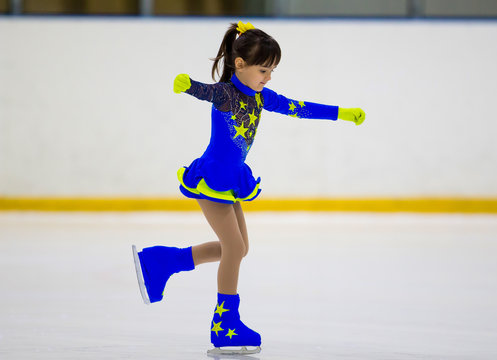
column 139, row 276
column 235, row 350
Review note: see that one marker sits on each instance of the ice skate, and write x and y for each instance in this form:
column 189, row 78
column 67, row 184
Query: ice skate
column 139, row 275
column 229, row 335
column 235, row 350
column 155, row 265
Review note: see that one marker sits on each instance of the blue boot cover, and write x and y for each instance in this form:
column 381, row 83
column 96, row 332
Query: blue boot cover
column 227, row 328
column 159, row 263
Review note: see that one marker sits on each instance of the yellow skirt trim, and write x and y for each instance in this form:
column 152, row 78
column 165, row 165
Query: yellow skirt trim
column 204, row 189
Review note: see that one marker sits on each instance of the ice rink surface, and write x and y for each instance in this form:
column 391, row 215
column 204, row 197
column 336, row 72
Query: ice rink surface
column 315, row 285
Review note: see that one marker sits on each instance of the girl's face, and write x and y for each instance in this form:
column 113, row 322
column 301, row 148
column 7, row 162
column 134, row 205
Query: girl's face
column 253, row 76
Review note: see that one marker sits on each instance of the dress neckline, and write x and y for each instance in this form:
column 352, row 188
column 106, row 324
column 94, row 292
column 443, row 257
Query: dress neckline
column 243, row 88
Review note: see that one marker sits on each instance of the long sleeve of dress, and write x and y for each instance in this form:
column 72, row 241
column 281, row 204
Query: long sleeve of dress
column 305, row 110
column 215, row 93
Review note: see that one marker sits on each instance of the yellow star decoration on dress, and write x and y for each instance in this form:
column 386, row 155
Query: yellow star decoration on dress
column 243, row 105
column 253, row 117
column 220, row 309
column 295, row 115
column 231, row 333
column 301, row 103
column 240, row 131
column 292, row 106
column 258, row 99
column 217, row 327
column 233, row 117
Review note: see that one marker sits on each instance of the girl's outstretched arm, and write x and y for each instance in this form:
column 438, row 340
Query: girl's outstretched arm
column 308, row 110
column 214, row 93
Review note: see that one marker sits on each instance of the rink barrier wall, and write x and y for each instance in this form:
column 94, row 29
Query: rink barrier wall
column 414, row 205
column 87, row 108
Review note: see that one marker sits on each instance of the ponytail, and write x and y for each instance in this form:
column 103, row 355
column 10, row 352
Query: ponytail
column 254, row 46
column 225, row 53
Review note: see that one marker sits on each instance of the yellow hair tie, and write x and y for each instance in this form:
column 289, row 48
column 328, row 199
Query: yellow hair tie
column 244, row 27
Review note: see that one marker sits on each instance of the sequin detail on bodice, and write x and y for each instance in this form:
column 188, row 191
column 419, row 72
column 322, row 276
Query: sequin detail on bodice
column 239, row 107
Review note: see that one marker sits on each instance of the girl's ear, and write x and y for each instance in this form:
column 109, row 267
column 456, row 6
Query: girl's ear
column 239, row 63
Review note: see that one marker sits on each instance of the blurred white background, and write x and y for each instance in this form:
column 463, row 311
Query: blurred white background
column 87, row 107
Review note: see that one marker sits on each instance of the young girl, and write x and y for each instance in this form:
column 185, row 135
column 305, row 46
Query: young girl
column 220, row 180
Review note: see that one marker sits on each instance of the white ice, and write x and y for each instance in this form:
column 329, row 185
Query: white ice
column 316, row 286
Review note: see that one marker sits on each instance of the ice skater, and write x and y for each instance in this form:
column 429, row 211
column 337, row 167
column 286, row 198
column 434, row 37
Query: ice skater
column 220, row 179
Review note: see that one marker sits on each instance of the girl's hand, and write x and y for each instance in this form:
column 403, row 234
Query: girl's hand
column 181, row 83
column 355, row 115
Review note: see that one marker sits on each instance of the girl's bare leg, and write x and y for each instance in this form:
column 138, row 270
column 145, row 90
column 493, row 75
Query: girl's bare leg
column 229, row 225
column 242, row 225
column 206, row 252
column 211, row 251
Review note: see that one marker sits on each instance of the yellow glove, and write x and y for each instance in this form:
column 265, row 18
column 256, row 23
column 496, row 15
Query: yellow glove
column 181, row 83
column 355, row 115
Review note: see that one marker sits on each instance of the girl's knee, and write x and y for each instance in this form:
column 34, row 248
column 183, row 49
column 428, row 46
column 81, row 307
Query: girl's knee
column 243, row 250
column 246, row 249
column 236, row 249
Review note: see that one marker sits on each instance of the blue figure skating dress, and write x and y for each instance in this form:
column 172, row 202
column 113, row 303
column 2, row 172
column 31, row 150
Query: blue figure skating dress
column 221, row 173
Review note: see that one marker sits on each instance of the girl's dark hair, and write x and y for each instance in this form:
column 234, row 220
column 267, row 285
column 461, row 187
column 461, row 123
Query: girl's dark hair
column 254, row 46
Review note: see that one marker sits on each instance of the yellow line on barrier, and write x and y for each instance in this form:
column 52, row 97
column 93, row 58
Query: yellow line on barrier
column 416, row 205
